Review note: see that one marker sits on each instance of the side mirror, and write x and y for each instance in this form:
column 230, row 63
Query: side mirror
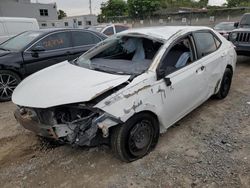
column 168, row 82
column 236, row 24
column 38, row 49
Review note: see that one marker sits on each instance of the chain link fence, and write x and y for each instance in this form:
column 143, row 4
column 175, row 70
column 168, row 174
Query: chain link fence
column 203, row 18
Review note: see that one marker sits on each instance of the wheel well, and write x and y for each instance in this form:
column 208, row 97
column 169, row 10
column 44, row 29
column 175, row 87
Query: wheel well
column 230, row 67
column 149, row 113
column 16, row 72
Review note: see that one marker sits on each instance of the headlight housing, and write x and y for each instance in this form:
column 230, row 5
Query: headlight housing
column 233, row 36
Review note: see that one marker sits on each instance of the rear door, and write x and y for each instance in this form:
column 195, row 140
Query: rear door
column 207, row 49
column 82, row 42
column 57, row 48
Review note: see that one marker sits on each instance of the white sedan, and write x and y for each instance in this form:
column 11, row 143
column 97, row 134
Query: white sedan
column 128, row 89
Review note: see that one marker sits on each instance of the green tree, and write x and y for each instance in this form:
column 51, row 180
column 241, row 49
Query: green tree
column 143, row 8
column 61, row 14
column 237, row 3
column 113, row 8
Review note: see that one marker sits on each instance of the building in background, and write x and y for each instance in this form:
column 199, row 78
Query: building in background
column 25, row 8
column 80, row 21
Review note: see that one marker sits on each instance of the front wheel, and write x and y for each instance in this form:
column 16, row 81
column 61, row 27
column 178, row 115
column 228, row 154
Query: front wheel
column 225, row 84
column 135, row 138
column 8, row 82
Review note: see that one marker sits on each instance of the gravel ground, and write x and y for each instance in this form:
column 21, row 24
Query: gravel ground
column 208, row 148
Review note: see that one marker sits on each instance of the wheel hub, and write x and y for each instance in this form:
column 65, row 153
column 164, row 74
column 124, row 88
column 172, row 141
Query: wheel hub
column 7, row 85
column 140, row 138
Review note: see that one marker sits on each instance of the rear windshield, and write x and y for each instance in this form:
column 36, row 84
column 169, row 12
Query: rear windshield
column 121, row 55
column 225, row 26
column 21, row 41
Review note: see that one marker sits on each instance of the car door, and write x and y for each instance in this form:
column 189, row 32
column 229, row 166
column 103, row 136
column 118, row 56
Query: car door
column 53, row 48
column 207, row 50
column 183, row 87
column 82, row 42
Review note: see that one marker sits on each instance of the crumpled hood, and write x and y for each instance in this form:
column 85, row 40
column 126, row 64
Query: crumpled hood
column 64, row 83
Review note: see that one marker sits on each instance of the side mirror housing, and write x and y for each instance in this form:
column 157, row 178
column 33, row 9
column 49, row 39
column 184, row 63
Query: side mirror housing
column 168, row 81
column 236, row 24
column 38, row 49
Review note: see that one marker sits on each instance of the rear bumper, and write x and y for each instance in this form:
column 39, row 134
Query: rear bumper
column 38, row 128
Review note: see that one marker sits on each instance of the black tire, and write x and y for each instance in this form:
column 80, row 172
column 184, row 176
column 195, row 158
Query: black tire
column 135, row 138
column 225, row 84
column 8, row 82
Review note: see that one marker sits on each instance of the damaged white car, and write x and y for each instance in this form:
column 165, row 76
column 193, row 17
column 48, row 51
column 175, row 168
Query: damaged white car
column 128, row 89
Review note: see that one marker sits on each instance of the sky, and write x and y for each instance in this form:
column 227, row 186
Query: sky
column 78, row 7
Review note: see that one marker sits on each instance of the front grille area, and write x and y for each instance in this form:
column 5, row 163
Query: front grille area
column 243, row 37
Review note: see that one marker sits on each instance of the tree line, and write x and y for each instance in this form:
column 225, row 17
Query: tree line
column 145, row 8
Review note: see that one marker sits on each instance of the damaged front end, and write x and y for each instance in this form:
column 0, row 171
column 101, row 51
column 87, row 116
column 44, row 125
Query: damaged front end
column 74, row 124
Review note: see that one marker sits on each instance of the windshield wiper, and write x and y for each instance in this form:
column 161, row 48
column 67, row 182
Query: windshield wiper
column 102, row 69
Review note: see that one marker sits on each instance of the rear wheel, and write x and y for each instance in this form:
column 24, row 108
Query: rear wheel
column 225, row 84
column 8, row 82
column 135, row 138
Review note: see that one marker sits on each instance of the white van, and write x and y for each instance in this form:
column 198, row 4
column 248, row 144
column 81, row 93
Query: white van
column 10, row 27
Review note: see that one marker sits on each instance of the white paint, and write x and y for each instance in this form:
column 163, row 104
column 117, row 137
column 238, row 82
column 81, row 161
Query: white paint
column 10, row 27
column 191, row 85
column 63, row 83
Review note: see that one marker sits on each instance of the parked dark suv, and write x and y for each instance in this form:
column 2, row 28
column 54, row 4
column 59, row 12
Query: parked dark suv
column 32, row 51
column 240, row 37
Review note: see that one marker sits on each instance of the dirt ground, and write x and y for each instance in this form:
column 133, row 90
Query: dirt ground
column 208, row 148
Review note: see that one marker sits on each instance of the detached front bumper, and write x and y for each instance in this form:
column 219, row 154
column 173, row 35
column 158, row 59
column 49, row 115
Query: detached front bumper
column 40, row 129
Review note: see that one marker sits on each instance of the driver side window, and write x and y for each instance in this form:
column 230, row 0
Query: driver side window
column 180, row 55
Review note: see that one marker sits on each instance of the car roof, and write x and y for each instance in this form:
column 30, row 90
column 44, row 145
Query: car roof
column 51, row 30
column 163, row 32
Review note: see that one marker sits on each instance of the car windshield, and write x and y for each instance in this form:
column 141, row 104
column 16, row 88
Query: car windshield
column 245, row 21
column 19, row 42
column 225, row 26
column 121, row 55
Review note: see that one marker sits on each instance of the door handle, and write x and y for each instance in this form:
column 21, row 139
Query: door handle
column 201, row 69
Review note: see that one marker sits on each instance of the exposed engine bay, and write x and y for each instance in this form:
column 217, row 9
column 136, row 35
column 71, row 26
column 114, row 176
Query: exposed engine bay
column 75, row 124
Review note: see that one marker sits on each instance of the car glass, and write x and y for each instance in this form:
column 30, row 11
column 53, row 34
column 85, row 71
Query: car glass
column 56, row 41
column 225, row 26
column 84, row 38
column 245, row 21
column 120, row 28
column 121, row 55
column 179, row 56
column 19, row 42
column 109, row 31
column 205, row 43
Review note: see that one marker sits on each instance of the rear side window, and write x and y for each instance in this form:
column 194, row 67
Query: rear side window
column 84, row 38
column 56, row 41
column 109, row 31
column 205, row 43
column 120, row 28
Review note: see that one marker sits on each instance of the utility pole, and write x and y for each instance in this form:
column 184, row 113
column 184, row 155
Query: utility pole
column 90, row 6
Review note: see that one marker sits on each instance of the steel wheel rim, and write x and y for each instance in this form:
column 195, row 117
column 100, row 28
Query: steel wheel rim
column 140, row 138
column 7, row 85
